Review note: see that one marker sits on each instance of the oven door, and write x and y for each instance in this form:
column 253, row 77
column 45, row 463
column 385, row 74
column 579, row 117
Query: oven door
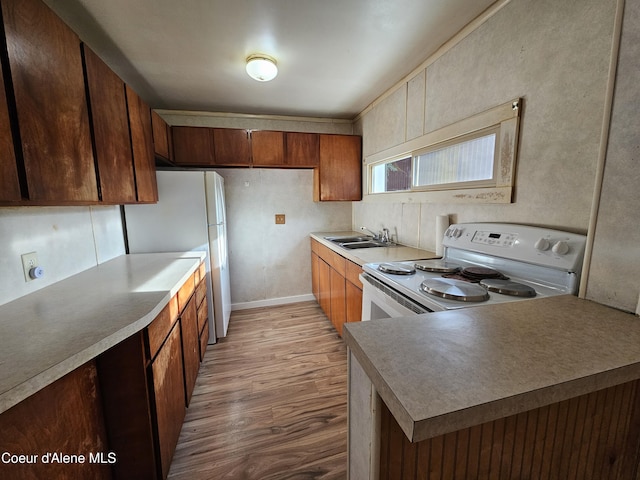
column 380, row 301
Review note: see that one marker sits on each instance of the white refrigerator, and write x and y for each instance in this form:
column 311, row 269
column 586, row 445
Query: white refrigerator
column 190, row 216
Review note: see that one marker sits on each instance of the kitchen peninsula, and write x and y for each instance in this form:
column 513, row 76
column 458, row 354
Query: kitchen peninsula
column 536, row 389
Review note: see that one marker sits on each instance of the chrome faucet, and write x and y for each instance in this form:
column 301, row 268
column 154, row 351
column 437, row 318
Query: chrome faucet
column 375, row 236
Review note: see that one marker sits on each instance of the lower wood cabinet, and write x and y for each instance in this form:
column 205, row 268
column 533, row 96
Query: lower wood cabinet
column 147, row 382
column 168, row 397
column 62, row 418
column 336, row 286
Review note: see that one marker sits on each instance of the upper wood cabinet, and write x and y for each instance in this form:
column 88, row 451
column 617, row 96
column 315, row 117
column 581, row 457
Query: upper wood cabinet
column 231, row 147
column 9, row 182
column 142, row 147
column 160, row 136
column 302, row 149
column 48, row 84
column 193, row 146
column 108, row 106
column 339, row 176
column 267, row 148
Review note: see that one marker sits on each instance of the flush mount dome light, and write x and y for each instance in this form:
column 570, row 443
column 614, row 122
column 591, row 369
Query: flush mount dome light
column 261, row 67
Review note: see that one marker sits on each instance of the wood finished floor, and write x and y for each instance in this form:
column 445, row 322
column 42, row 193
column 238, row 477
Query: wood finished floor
column 270, row 402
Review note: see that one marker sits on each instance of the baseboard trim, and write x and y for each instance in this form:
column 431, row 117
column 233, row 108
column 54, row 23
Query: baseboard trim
column 270, row 302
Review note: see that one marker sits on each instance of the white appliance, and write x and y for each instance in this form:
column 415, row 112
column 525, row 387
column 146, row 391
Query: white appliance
column 190, row 216
column 482, row 264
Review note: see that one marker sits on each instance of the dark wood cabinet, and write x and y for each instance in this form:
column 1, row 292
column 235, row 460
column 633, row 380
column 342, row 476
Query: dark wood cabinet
column 168, row 391
column 110, row 127
column 142, row 147
column 339, row 176
column 160, row 129
column 62, row 418
column 190, row 347
column 302, row 149
column 267, row 148
column 231, row 147
column 48, row 84
column 9, row 180
column 193, row 146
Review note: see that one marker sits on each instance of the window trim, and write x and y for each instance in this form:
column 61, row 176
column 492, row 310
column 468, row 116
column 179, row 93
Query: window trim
column 504, row 118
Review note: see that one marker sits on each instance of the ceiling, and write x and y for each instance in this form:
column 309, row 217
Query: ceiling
column 334, row 57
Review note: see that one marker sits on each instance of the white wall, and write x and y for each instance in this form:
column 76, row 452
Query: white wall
column 271, row 263
column 67, row 240
column 553, row 54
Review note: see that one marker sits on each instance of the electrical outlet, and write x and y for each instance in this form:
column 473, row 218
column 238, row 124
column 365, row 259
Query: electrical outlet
column 279, row 218
column 29, row 261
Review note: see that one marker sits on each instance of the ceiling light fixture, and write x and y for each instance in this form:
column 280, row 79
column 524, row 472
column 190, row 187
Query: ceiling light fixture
column 261, row 67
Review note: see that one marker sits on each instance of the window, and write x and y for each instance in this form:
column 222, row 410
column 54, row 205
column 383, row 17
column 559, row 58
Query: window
column 469, row 161
column 472, row 160
column 391, row 176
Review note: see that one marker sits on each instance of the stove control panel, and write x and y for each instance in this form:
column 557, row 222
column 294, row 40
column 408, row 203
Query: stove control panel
column 525, row 243
column 495, row 238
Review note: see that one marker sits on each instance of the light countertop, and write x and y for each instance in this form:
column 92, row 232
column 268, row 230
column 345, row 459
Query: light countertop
column 51, row 332
column 395, row 253
column 444, row 371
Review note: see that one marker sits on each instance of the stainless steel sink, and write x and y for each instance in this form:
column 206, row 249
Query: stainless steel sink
column 360, row 238
column 362, row 241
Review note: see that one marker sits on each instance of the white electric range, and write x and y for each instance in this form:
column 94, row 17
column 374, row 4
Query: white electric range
column 483, row 264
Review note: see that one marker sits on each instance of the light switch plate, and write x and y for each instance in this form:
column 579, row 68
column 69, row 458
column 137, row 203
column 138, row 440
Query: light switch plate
column 29, row 261
column 279, row 218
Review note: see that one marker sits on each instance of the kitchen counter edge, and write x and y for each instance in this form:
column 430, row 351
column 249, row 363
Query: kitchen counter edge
column 150, row 281
column 590, row 360
column 360, row 256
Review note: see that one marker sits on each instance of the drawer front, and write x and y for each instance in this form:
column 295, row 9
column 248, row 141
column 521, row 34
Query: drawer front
column 185, row 292
column 201, row 292
column 338, row 263
column 200, row 273
column 314, row 245
column 324, row 252
column 159, row 329
column 353, row 272
column 203, row 313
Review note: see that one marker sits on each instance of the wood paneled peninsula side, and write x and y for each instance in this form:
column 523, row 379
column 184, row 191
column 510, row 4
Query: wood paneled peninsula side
column 98, row 369
column 546, row 388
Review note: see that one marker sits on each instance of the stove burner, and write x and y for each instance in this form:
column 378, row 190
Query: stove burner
column 440, row 266
column 507, row 287
column 396, row 269
column 454, row 290
column 475, row 274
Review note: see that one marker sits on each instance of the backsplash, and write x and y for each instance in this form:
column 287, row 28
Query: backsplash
column 68, row 240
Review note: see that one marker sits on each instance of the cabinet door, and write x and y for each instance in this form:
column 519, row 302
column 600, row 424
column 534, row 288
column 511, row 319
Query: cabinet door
column 160, row 136
column 339, row 176
column 267, row 148
column 168, row 391
column 193, row 146
column 48, row 82
column 190, row 347
column 315, row 263
column 9, row 183
column 231, row 146
column 302, row 149
column 354, row 302
column 142, row 147
column 338, row 301
column 324, row 286
column 108, row 106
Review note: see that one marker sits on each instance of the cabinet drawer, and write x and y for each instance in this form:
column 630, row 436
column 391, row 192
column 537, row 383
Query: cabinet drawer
column 204, row 340
column 337, row 262
column 185, row 292
column 324, row 252
column 201, row 273
column 315, row 245
column 203, row 313
column 353, row 271
column 158, row 330
column 201, row 292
